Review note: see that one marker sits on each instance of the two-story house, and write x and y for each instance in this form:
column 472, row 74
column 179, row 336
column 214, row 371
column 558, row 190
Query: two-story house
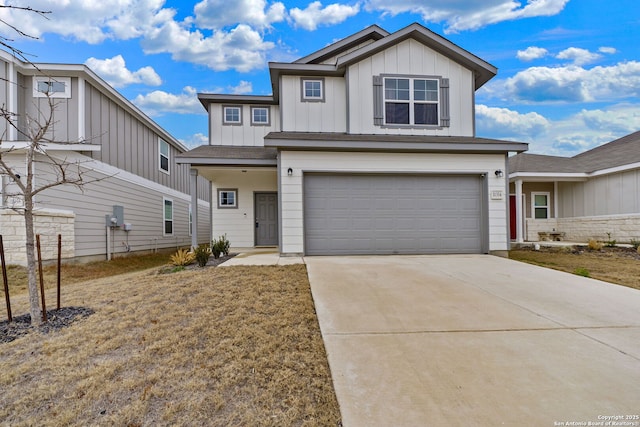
column 366, row 146
column 138, row 198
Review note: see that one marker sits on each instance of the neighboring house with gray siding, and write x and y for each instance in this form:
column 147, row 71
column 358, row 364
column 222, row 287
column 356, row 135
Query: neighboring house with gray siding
column 366, row 146
column 130, row 158
column 581, row 197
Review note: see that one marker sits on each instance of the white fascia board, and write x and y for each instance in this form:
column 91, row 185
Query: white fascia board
column 112, row 171
column 548, row 176
column 617, row 169
column 23, row 145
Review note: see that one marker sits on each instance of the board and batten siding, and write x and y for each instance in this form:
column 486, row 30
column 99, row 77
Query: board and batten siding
column 329, row 115
column 239, row 223
column 291, row 188
column 611, row 194
column 410, row 58
column 129, row 144
column 142, row 201
column 64, row 126
column 245, row 134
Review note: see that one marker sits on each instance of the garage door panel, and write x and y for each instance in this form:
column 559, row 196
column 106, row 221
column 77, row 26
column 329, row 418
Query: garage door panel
column 386, row 214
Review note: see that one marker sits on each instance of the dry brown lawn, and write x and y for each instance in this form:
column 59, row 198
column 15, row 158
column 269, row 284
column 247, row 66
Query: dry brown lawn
column 237, row 346
column 615, row 265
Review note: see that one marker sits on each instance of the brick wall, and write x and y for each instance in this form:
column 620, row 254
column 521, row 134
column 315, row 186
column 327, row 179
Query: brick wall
column 48, row 223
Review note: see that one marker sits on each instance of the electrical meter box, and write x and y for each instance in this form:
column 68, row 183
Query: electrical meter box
column 118, row 214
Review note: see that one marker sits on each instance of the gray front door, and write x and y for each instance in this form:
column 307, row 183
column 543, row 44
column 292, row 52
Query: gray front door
column 266, row 207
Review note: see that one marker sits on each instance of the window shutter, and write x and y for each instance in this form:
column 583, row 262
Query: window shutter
column 378, row 101
column 444, row 103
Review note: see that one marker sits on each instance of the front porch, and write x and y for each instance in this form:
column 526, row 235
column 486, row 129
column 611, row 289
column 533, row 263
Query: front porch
column 244, row 193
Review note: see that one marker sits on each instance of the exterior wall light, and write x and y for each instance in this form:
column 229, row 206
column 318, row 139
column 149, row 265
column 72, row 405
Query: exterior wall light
column 499, row 173
column 289, row 171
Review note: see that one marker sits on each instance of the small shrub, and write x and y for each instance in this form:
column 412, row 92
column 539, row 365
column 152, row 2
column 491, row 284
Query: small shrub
column 594, row 245
column 581, row 271
column 202, row 254
column 177, row 268
column 611, row 242
column 182, row 257
column 220, row 246
column 635, row 243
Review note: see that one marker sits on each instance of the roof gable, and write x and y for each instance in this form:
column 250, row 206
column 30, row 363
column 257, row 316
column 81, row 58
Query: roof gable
column 372, row 32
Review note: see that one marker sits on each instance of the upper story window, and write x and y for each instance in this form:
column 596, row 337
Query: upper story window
column 411, row 101
column 312, row 90
column 163, row 149
column 54, row 87
column 260, row 116
column 232, row 115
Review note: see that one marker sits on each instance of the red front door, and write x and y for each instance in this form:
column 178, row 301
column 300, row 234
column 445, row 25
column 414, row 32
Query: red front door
column 512, row 217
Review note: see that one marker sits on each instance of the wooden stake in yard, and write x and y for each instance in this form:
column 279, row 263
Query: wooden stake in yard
column 44, row 307
column 59, row 262
column 5, row 281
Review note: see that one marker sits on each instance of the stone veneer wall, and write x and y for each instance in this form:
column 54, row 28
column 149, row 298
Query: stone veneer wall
column 623, row 228
column 48, row 223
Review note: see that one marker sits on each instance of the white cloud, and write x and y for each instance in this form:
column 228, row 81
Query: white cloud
column 578, row 56
column 502, row 122
column 115, row 72
column 460, row 15
column 195, row 140
column 608, row 50
column 315, row 15
column 242, row 88
column 160, row 102
column 242, row 48
column 565, row 136
column 531, row 53
column 570, row 84
column 222, row 13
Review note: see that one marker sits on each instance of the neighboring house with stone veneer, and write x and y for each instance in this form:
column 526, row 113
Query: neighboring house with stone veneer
column 585, row 196
column 366, row 146
column 142, row 185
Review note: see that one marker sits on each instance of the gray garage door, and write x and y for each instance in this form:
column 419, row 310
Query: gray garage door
column 393, row 214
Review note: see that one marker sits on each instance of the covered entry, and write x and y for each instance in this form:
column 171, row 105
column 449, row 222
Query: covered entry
column 394, row 214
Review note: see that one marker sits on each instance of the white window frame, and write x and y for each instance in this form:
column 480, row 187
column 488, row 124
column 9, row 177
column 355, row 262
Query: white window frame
column 223, row 204
column 411, row 102
column 51, row 80
column 162, row 142
column 303, row 87
column 258, row 123
column 165, row 219
column 232, row 122
column 534, row 207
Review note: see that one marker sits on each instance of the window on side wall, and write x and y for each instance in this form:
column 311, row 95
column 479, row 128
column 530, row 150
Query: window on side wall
column 163, row 149
column 168, row 217
column 312, row 90
column 411, row 101
column 540, row 205
column 190, row 221
column 54, row 87
column 232, row 115
column 227, row 198
column 260, row 116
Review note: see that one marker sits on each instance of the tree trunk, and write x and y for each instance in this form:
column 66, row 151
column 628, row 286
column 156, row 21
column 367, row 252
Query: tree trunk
column 34, row 301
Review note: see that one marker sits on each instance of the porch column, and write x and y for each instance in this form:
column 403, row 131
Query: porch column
column 555, row 199
column 193, row 190
column 519, row 212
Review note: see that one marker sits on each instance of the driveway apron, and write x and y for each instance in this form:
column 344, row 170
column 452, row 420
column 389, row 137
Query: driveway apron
column 462, row 340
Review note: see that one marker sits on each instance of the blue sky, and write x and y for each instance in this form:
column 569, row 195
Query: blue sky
column 568, row 70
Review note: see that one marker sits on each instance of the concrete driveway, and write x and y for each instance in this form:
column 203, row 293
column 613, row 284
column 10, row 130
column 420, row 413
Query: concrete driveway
column 475, row 340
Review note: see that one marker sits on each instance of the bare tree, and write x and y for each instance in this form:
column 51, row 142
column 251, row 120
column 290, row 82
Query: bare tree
column 35, row 135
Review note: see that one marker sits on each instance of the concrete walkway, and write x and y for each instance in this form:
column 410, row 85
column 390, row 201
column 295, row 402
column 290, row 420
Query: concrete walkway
column 253, row 256
column 475, row 341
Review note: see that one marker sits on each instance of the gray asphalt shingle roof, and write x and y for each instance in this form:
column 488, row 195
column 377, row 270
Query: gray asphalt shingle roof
column 225, row 155
column 622, row 151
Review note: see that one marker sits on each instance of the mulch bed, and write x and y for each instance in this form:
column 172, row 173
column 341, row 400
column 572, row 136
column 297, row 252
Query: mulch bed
column 616, row 251
column 213, row 262
column 56, row 320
